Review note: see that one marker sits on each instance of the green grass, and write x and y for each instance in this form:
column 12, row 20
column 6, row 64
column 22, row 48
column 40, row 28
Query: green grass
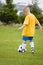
column 10, row 39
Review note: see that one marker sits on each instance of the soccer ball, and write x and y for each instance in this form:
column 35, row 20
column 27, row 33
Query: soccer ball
column 20, row 48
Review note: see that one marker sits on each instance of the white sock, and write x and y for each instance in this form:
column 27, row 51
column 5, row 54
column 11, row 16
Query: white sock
column 32, row 44
column 24, row 45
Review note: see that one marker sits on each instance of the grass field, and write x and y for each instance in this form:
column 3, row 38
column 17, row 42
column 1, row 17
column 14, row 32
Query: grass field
column 10, row 39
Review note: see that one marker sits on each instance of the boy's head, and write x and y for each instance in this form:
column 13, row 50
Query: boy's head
column 26, row 10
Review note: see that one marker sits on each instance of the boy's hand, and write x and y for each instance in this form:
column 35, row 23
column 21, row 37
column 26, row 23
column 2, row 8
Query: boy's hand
column 41, row 29
column 19, row 28
column 22, row 27
column 40, row 26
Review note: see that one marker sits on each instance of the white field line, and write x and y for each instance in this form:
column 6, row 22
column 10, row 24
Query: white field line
column 10, row 40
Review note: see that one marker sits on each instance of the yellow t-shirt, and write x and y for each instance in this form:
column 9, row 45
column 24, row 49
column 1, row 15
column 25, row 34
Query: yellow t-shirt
column 30, row 22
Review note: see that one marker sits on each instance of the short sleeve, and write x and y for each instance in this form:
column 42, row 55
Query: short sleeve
column 36, row 21
column 26, row 21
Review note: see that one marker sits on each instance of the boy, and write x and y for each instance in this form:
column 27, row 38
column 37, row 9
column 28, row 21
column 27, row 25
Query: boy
column 29, row 28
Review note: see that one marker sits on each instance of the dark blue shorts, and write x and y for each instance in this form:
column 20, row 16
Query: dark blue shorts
column 27, row 38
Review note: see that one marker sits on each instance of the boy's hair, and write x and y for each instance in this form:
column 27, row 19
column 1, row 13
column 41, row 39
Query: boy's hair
column 26, row 8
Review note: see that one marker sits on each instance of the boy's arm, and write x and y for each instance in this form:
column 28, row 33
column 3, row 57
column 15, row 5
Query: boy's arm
column 22, row 26
column 26, row 22
column 40, row 26
column 37, row 22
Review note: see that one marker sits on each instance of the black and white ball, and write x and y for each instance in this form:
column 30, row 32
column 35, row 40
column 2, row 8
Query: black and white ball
column 20, row 48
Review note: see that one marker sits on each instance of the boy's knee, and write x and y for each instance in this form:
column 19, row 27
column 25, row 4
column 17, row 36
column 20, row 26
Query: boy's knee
column 24, row 41
column 30, row 40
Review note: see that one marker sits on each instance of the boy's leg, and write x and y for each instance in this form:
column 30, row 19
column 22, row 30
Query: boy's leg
column 24, row 46
column 32, row 46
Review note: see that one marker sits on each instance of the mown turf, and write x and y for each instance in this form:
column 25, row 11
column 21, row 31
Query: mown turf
column 10, row 39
